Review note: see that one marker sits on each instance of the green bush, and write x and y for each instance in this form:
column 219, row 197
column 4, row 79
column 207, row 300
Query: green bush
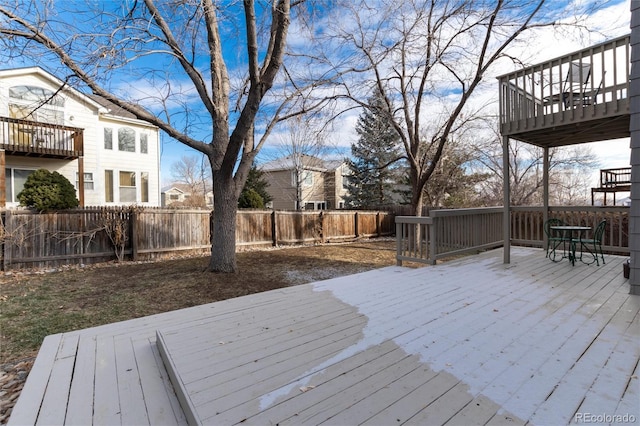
column 250, row 199
column 45, row 191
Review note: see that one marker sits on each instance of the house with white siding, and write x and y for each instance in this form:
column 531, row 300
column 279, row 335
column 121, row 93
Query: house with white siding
column 111, row 157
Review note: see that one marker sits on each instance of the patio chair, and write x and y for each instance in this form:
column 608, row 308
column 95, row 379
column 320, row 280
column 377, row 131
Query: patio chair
column 594, row 245
column 574, row 89
column 591, row 97
column 553, row 240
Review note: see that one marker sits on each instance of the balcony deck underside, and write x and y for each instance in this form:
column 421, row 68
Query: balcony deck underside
column 40, row 152
column 571, row 127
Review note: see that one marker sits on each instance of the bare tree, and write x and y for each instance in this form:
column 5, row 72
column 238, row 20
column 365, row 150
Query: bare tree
column 429, row 57
column 304, row 147
column 174, row 59
column 195, row 174
column 526, row 174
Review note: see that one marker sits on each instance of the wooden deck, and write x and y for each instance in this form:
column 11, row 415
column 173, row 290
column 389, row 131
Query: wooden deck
column 467, row 342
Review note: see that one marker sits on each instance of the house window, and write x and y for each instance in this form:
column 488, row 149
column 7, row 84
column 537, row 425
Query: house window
column 306, row 179
column 144, row 187
column 88, row 181
column 126, row 139
column 108, row 186
column 315, row 205
column 174, row 197
column 36, row 103
column 127, row 187
column 14, row 183
column 35, row 94
column 108, row 138
column 144, row 143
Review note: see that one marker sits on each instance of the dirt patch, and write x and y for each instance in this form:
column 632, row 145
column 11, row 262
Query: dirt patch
column 38, row 303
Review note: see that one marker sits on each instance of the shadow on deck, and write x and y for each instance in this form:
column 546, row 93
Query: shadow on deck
column 471, row 341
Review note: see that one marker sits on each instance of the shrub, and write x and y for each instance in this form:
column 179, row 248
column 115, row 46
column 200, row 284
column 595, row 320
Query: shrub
column 45, row 191
column 250, row 199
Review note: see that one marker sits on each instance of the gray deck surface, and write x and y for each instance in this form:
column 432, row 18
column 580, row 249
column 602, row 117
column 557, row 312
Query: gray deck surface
column 467, row 342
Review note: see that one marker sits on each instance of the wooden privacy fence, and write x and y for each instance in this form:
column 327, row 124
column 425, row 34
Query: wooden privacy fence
column 449, row 232
column 83, row 236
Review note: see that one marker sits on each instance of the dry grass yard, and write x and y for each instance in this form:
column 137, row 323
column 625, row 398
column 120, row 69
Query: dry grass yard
column 37, row 304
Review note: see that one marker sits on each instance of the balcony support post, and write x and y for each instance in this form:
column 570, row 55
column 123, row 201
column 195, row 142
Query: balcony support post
column 545, row 191
column 3, row 180
column 506, row 225
column 81, row 181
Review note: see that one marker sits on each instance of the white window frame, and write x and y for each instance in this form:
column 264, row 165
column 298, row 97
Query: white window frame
column 124, row 191
column 32, row 105
column 11, row 184
column 144, row 143
column 305, row 182
column 122, row 147
column 88, row 181
column 108, row 143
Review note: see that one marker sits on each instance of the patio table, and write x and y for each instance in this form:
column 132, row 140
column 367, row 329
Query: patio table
column 573, row 233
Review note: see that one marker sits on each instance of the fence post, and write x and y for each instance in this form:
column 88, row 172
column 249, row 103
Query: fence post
column 356, row 227
column 398, row 243
column 274, row 236
column 321, row 226
column 6, row 248
column 133, row 218
column 430, row 231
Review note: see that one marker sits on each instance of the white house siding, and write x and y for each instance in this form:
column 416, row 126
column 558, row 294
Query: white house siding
column 116, row 160
column 634, row 225
column 81, row 112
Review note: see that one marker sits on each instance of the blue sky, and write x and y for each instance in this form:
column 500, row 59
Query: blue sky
column 610, row 22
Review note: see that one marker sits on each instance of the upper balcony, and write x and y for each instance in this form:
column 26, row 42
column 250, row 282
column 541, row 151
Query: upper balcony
column 577, row 98
column 36, row 139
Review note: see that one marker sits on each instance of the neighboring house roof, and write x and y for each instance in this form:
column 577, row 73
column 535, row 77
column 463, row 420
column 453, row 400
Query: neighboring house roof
column 173, row 188
column 308, row 162
column 113, row 108
column 334, row 164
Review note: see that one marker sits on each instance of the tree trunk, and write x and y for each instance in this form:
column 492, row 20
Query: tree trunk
column 417, row 194
column 223, row 243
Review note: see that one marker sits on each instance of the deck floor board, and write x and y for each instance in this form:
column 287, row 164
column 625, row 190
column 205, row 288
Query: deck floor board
column 470, row 341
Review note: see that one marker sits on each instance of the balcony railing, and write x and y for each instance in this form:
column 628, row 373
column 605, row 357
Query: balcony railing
column 588, row 86
column 612, row 181
column 31, row 138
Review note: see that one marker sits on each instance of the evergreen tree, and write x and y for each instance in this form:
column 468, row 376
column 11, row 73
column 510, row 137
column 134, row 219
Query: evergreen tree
column 255, row 186
column 373, row 170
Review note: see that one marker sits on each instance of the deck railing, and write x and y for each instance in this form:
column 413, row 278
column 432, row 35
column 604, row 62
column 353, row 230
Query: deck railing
column 448, row 233
column 612, row 178
column 26, row 137
column 589, row 83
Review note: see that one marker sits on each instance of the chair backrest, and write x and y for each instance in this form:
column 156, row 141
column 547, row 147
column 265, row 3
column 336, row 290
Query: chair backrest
column 599, row 231
column 577, row 77
column 551, row 222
